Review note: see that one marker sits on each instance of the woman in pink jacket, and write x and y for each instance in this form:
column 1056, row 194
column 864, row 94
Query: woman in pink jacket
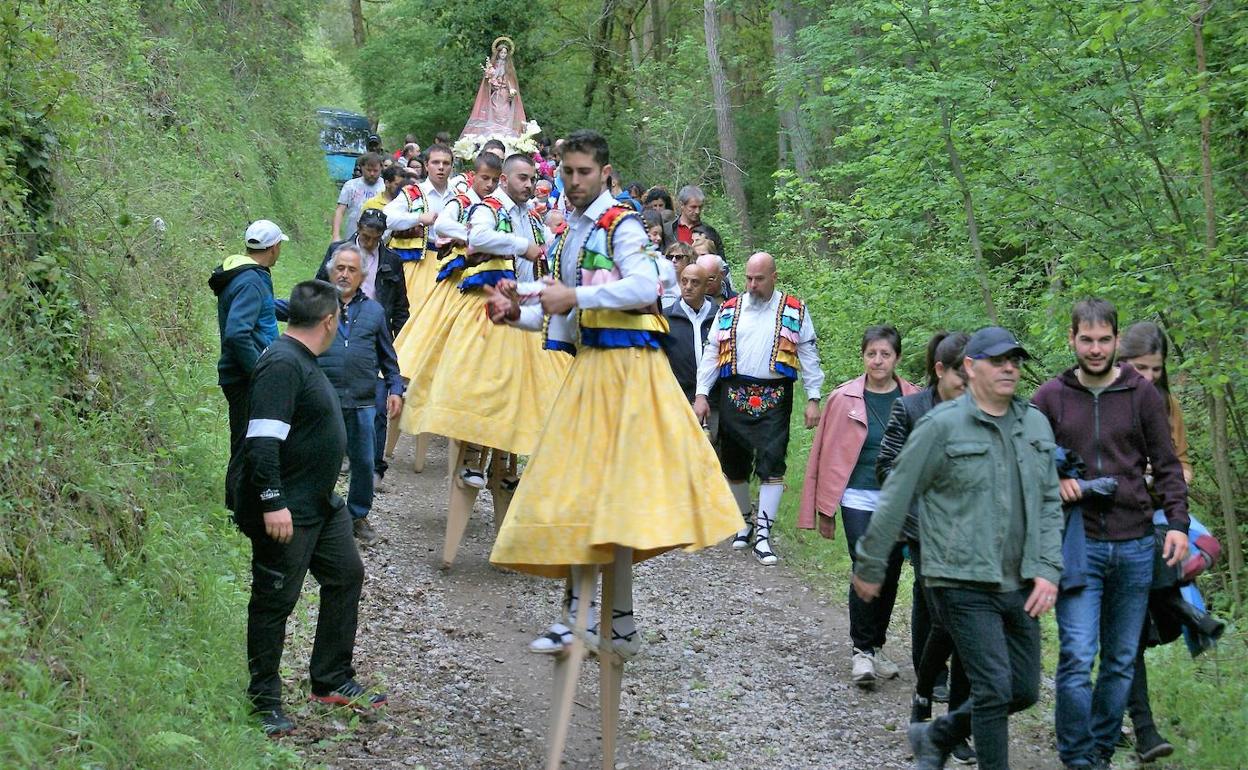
column 841, row 474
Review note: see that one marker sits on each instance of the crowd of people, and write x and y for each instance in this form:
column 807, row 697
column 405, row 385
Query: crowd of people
column 422, row 315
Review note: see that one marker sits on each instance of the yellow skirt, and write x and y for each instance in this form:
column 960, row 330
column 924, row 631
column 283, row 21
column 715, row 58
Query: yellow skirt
column 490, row 385
column 622, row 461
column 421, row 277
column 422, row 339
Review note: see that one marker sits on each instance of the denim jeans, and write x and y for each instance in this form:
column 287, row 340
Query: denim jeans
column 999, row 644
column 360, row 450
column 932, row 643
column 868, row 621
column 380, row 425
column 1107, row 616
column 277, row 572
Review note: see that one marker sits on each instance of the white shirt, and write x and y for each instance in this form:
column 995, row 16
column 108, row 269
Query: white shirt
column 637, row 288
column 696, row 317
column 371, row 260
column 399, row 217
column 447, row 226
column 355, row 192
column 756, row 336
column 435, row 201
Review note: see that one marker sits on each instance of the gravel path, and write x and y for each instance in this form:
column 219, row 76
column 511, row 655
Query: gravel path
column 744, row 667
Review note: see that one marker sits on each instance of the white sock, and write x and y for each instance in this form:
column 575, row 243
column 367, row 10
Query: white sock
column 768, row 506
column 741, row 493
column 623, row 598
column 574, row 600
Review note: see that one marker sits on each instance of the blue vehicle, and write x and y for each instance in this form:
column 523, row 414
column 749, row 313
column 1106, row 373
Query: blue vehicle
column 344, row 137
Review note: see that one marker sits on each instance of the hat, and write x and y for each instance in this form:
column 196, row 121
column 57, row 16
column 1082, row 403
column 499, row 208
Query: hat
column 262, row 234
column 993, row 341
column 374, row 219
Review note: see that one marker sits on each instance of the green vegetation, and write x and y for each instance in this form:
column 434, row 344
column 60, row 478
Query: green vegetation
column 137, row 144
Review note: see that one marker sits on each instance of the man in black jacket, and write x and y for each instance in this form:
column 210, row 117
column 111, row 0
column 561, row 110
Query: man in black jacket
column 690, row 319
column 286, row 505
column 382, row 281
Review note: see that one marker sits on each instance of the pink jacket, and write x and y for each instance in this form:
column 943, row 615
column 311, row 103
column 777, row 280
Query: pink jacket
column 838, row 440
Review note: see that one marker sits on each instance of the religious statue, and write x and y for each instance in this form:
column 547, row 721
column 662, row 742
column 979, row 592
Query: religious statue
column 498, row 110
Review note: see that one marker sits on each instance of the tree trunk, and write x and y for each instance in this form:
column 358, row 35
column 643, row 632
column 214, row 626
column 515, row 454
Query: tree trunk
column 358, row 33
column 733, row 179
column 1219, row 431
column 794, row 138
column 601, row 54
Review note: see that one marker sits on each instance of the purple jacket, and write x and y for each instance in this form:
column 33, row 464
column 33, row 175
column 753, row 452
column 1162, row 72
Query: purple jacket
column 1119, row 433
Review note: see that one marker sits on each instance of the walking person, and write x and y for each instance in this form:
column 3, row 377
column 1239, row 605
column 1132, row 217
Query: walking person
column 931, row 644
column 840, row 473
column 1116, row 421
column 982, row 470
column 246, row 319
column 354, row 194
column 286, row 506
column 764, row 341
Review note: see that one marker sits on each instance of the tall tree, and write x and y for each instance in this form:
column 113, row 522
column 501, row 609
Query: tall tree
column 734, row 183
column 794, row 142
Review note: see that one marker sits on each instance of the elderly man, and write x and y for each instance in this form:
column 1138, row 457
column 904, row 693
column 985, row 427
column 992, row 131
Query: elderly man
column 362, row 348
column 689, row 320
column 982, row 469
column 763, row 342
column 717, row 271
column 689, row 202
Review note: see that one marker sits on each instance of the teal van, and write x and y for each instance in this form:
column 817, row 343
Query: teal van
column 344, row 137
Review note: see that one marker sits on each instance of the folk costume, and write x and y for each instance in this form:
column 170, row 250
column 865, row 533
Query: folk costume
column 622, row 461
column 489, row 385
column 409, row 238
column 756, row 351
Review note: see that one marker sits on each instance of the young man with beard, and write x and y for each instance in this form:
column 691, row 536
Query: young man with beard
column 1117, row 423
column 355, row 192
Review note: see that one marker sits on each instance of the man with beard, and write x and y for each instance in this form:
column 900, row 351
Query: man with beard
column 354, row 194
column 1117, row 422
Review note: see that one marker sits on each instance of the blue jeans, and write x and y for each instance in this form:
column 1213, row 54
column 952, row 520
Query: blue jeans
column 1108, row 614
column 360, row 450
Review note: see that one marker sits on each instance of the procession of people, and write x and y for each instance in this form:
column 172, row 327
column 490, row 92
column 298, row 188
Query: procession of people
column 583, row 349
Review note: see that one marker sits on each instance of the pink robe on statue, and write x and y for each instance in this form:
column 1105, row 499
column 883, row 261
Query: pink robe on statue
column 493, row 112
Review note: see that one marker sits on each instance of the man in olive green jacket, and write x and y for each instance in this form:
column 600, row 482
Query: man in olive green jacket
column 990, row 521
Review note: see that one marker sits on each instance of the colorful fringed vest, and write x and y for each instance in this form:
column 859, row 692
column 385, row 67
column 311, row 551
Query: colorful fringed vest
column 605, row 328
column 454, row 258
column 784, row 362
column 495, row 268
column 409, row 244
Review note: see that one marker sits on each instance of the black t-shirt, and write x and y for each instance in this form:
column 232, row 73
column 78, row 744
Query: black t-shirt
column 295, row 438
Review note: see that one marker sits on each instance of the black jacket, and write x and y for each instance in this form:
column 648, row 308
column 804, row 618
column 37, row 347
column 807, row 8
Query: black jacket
column 678, row 344
column 391, row 285
column 905, row 412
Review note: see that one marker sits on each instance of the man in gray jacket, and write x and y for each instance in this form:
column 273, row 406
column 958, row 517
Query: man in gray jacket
column 982, row 469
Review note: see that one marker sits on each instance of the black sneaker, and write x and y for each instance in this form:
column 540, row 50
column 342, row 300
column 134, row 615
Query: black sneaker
column 350, row 693
column 275, row 723
column 927, row 755
column 963, row 754
column 920, row 709
column 1149, row 745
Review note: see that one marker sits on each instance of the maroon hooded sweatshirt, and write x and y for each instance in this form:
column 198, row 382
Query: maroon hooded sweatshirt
column 1117, row 433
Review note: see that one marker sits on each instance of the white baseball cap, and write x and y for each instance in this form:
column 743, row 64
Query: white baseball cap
column 262, row 234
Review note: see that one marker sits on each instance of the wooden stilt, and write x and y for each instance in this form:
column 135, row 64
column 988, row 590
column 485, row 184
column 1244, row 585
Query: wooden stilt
column 502, row 466
column 422, row 450
column 459, row 508
column 610, row 670
column 392, row 436
column 567, row 672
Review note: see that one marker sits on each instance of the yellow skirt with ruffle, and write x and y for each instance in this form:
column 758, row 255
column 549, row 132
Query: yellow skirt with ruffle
column 422, row 339
column 421, row 278
column 491, row 385
column 622, row 461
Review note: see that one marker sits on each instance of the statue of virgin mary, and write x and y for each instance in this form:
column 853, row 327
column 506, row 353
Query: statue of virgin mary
column 498, row 109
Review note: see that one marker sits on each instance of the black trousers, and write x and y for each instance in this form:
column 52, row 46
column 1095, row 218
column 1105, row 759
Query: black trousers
column 238, row 396
column 277, row 572
column 999, row 644
column 868, row 621
column 932, row 644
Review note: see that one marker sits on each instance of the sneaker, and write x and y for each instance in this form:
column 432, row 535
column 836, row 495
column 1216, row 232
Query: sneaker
column 471, row 477
column 963, row 754
column 885, row 668
column 380, row 486
column 554, row 641
column 275, row 723
column 350, row 693
column 864, row 669
column 940, row 693
column 927, row 755
column 1149, row 745
column 742, row 539
column 920, row 709
column 364, row 532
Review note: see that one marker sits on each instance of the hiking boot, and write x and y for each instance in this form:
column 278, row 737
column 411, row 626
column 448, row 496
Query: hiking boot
column 364, row 532
column 350, row 693
column 275, row 723
column 920, row 709
column 1149, row 745
column 885, row 668
column 864, row 669
column 927, row 755
column 963, row 754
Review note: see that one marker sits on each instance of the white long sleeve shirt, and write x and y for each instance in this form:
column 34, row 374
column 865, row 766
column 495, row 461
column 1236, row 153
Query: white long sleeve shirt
column 398, row 215
column 756, row 336
column 447, row 226
column 637, row 288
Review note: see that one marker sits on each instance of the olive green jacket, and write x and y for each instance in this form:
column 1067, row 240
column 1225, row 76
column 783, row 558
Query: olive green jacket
column 947, row 466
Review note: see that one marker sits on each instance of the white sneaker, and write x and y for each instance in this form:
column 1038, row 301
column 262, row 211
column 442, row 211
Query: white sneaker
column 864, row 669
column 885, row 668
column 471, row 477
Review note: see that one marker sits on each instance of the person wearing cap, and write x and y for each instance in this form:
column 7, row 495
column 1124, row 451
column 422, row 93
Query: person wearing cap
column 1117, row 422
column 982, row 469
column 245, row 318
